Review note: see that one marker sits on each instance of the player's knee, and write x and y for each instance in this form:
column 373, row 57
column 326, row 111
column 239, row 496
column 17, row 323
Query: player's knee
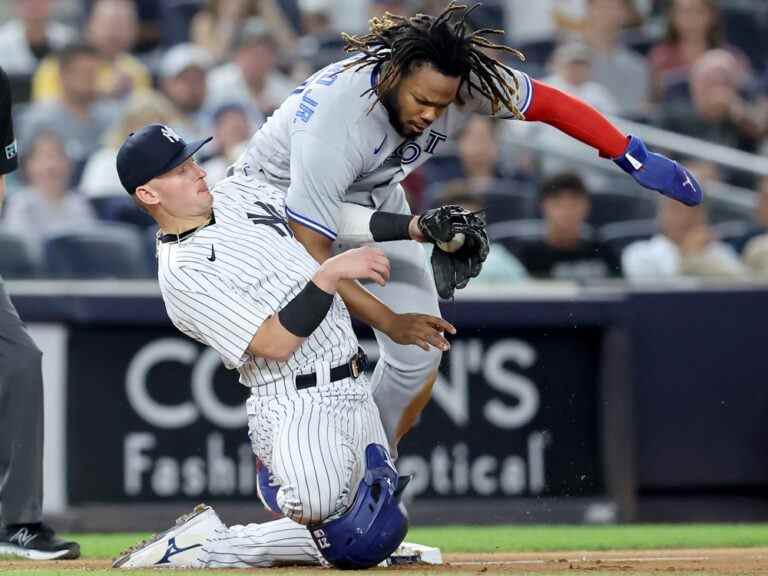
column 306, row 507
column 418, row 362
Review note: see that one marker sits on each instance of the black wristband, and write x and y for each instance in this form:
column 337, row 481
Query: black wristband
column 386, row 226
column 302, row 315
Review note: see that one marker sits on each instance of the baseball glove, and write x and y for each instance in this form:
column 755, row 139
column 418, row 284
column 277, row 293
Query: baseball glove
column 453, row 262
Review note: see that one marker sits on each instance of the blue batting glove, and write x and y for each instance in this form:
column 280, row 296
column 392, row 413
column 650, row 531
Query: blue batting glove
column 659, row 173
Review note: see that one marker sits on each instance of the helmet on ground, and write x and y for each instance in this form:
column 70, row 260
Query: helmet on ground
column 374, row 525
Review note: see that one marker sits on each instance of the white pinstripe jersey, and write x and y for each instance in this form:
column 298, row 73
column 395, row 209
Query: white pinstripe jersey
column 220, row 282
column 328, row 144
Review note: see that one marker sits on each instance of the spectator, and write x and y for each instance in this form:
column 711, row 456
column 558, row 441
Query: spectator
column 77, row 117
column 686, row 246
column 215, row 27
column 478, row 150
column 571, row 66
column 32, row 35
column 760, row 224
column 100, row 175
column 184, row 80
column 378, row 8
column 716, row 111
column 112, row 29
column 478, row 167
column 231, row 131
column 565, row 253
column 693, row 28
column 756, row 256
column 46, row 205
column 623, row 72
column 252, row 77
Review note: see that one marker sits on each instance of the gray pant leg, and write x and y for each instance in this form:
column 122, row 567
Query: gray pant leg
column 402, row 371
column 21, row 419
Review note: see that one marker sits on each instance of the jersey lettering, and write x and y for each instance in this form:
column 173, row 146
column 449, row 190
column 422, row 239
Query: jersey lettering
column 306, row 108
column 410, row 152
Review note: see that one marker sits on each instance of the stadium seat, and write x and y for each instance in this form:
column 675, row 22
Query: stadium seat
column 733, row 230
column 512, row 233
column 16, row 260
column 504, row 201
column 620, row 206
column 621, row 234
column 507, row 206
column 121, row 209
column 102, row 251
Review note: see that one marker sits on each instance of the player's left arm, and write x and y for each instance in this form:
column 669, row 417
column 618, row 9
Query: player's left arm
column 583, row 122
column 537, row 101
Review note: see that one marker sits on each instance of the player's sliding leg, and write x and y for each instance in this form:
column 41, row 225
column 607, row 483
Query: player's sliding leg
column 404, row 376
column 277, row 543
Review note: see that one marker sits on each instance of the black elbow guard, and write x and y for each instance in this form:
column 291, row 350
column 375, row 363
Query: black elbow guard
column 302, row 315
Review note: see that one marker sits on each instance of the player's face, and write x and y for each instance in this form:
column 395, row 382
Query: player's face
column 183, row 192
column 421, row 98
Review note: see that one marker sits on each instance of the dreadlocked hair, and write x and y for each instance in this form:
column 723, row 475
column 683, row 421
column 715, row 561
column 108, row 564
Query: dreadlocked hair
column 396, row 44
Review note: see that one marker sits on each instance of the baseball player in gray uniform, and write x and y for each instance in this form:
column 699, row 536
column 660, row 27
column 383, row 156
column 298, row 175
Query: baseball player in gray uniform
column 22, row 532
column 355, row 130
column 234, row 278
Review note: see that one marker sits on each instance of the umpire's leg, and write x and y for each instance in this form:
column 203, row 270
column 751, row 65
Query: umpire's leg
column 21, row 420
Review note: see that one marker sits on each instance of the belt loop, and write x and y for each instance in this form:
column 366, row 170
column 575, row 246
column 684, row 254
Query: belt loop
column 322, row 373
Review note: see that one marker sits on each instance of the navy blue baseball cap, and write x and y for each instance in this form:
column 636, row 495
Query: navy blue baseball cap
column 151, row 152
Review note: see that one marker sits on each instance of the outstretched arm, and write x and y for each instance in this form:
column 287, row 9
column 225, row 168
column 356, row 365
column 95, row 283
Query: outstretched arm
column 419, row 329
column 581, row 121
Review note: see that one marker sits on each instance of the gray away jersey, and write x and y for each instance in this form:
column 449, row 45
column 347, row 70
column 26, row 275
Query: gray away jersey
column 222, row 281
column 325, row 145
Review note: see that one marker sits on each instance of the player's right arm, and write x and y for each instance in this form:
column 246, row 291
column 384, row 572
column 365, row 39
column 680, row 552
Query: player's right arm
column 282, row 333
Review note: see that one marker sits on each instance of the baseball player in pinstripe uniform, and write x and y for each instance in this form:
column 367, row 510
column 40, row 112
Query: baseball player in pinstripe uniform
column 233, row 277
column 352, row 132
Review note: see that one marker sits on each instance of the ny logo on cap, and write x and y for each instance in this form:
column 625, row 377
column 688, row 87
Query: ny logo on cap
column 170, row 134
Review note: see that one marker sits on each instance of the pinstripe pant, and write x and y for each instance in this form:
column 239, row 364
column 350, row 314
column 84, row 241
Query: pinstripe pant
column 313, row 441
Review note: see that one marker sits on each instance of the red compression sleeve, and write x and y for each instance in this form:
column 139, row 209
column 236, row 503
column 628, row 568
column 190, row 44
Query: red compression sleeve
column 576, row 118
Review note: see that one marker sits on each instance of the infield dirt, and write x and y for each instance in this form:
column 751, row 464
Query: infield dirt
column 748, row 561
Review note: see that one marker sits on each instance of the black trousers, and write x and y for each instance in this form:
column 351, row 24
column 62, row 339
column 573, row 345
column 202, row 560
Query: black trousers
column 21, row 419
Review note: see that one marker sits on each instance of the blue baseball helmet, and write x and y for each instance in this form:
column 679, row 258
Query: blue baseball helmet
column 374, row 526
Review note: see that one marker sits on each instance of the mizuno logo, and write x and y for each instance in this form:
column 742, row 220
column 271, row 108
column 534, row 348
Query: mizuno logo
column 378, row 149
column 687, row 179
column 23, row 537
column 212, row 257
column 173, row 550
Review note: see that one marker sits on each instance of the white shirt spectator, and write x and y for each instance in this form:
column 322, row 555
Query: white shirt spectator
column 660, row 258
column 226, row 84
column 15, row 54
column 33, row 217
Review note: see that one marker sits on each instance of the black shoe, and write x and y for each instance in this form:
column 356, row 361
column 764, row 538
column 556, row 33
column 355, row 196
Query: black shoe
column 36, row 542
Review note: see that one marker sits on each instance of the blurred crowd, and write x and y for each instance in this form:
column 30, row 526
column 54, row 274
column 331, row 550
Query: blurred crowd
column 86, row 73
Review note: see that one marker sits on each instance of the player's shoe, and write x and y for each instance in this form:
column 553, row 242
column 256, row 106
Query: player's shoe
column 36, row 542
column 409, row 553
column 177, row 547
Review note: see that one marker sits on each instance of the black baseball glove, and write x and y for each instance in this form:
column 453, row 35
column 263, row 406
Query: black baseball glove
column 454, row 269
